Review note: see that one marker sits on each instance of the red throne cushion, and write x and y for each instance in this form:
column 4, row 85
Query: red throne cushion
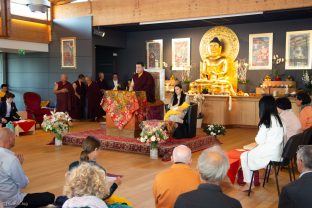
column 34, row 111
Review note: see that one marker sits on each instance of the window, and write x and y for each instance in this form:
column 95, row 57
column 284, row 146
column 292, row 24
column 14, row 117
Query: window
column 23, row 10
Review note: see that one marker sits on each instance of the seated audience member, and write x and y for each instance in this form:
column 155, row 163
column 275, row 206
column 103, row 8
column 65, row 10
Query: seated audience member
column 269, row 140
column 178, row 105
column 13, row 178
column 298, row 193
column 289, row 118
column 212, row 165
column 178, row 179
column 8, row 110
column 90, row 150
column 303, row 100
column 3, row 92
column 115, row 83
column 86, row 186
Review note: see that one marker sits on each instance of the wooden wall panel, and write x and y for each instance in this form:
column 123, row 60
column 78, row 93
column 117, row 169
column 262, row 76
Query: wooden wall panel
column 107, row 12
column 29, row 31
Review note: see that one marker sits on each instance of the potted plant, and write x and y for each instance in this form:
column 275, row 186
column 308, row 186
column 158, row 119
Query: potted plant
column 243, row 85
column 214, row 130
column 58, row 123
column 186, row 79
column 277, row 75
column 199, row 98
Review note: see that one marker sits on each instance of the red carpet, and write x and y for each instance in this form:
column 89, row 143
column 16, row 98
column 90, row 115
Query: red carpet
column 132, row 145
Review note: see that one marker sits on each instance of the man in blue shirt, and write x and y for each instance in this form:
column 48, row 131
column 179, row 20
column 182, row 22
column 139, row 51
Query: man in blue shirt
column 13, row 178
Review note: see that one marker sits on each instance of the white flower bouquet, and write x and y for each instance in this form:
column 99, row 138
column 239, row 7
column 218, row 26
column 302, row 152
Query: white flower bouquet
column 153, row 135
column 214, row 130
column 58, row 123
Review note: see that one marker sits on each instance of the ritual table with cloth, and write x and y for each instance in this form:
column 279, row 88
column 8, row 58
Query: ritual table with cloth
column 124, row 112
column 24, row 126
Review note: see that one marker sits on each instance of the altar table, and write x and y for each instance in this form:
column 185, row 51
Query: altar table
column 124, row 111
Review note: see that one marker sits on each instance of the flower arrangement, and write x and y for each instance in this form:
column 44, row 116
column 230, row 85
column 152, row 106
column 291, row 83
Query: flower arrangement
column 307, row 80
column 153, row 135
column 214, row 130
column 185, row 75
column 199, row 98
column 58, row 123
column 242, row 68
column 277, row 61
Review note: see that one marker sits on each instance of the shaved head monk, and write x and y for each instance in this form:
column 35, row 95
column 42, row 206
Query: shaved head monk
column 94, row 97
column 65, row 93
column 144, row 81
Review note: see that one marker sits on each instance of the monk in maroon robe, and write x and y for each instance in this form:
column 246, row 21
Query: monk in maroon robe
column 94, row 98
column 64, row 92
column 80, row 96
column 144, row 81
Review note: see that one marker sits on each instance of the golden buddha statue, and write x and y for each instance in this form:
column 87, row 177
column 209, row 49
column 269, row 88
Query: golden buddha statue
column 215, row 72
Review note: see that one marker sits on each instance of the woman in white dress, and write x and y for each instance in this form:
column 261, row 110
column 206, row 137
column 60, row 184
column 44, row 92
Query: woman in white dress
column 269, row 140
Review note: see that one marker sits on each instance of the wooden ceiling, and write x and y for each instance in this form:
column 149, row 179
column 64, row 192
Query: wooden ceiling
column 60, row 2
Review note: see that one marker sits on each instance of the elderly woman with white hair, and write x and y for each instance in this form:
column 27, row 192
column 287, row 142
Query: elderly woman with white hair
column 213, row 165
column 86, row 186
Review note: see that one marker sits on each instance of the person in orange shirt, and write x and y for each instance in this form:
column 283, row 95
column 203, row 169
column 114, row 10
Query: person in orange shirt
column 178, row 179
column 303, row 101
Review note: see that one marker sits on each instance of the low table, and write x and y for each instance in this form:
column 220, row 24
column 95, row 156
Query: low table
column 24, row 126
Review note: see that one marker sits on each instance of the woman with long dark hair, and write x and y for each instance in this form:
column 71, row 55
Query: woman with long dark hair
column 269, row 140
column 178, row 105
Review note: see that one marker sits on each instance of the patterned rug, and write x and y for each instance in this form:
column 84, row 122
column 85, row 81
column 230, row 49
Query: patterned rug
column 133, row 146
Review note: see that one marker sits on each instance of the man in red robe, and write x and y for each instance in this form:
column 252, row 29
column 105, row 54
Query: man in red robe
column 144, row 81
column 94, row 97
column 80, row 96
column 64, row 92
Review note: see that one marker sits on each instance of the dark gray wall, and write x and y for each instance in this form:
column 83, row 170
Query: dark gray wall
column 37, row 72
column 135, row 50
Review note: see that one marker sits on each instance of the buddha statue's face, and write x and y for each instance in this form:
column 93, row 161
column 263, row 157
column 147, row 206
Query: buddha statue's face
column 215, row 49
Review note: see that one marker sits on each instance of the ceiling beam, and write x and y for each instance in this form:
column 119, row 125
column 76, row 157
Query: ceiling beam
column 107, row 12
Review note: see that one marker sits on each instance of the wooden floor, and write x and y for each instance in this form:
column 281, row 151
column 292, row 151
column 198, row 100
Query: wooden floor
column 46, row 166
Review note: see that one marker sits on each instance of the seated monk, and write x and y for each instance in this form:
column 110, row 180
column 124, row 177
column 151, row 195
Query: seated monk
column 178, row 105
column 143, row 81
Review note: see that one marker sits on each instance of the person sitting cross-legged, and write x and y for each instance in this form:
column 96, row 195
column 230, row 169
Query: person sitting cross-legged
column 8, row 110
column 178, row 179
column 298, row 193
column 213, row 165
column 13, row 178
